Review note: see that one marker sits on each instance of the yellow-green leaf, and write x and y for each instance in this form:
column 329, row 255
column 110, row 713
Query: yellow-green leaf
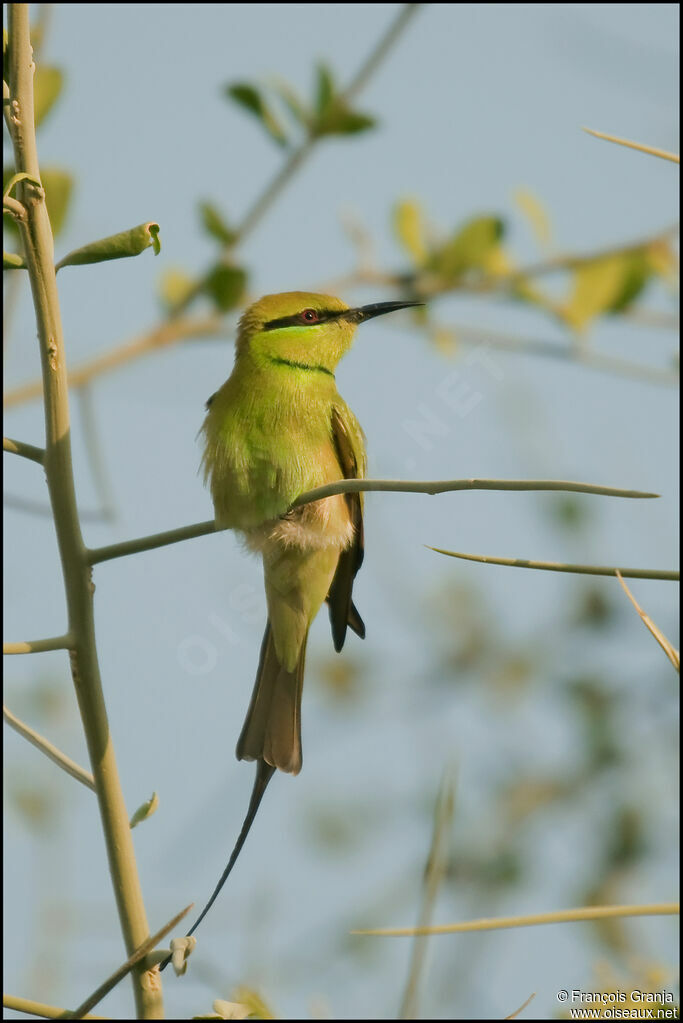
column 409, row 229
column 47, row 86
column 605, row 285
column 58, row 185
column 536, row 214
column 12, row 261
column 116, row 246
column 225, row 285
column 149, row 807
column 215, row 224
column 174, row 287
column 251, row 100
column 469, row 248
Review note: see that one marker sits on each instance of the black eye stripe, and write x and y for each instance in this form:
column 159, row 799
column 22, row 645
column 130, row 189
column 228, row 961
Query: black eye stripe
column 324, row 315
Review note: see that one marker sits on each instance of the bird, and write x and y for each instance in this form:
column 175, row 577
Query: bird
column 275, row 430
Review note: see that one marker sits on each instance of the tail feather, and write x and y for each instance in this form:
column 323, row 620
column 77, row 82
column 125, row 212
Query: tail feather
column 272, row 727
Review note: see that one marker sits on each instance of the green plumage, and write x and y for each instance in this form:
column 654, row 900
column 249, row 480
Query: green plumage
column 276, row 429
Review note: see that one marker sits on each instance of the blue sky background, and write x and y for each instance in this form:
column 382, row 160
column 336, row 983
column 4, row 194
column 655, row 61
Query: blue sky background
column 473, row 103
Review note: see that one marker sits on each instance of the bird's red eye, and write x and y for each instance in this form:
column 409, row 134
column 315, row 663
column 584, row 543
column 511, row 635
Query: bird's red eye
column 310, row 316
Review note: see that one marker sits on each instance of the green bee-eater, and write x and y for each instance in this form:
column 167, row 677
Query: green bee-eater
column 277, row 428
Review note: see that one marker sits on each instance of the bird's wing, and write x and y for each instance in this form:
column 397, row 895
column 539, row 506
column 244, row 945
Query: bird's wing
column 343, row 613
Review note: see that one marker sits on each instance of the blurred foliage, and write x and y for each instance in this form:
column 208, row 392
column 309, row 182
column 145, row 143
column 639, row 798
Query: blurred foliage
column 327, row 113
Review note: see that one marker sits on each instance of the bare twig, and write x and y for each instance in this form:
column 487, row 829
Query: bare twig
column 55, row 755
column 39, row 646
column 155, row 540
column 559, row 566
column 515, row 1014
column 535, row 919
column 145, row 948
column 661, row 153
column 668, row 648
column 18, row 447
column 40, row 1009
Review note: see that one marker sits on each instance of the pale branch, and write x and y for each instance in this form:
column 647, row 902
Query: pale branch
column 515, row 1014
column 140, row 953
column 668, row 648
column 33, row 1008
column 533, row 920
column 39, row 646
column 13, row 208
column 558, row 566
column 663, row 154
column 38, row 251
column 355, row 486
column 162, row 336
column 567, row 352
column 18, row 447
column 51, row 751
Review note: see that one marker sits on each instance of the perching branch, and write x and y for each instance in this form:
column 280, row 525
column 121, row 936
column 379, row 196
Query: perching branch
column 559, row 566
column 533, row 920
column 55, row 755
column 151, row 542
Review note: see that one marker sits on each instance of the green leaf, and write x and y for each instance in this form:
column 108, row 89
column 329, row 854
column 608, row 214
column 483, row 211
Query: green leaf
column 58, row 185
column 174, row 287
column 215, row 225
column 324, row 90
column 606, row 285
column 116, row 246
column 12, row 261
column 469, row 248
column 536, row 214
column 340, row 120
column 149, row 807
column 291, row 100
column 47, row 86
column 251, row 99
column 225, row 285
column 408, row 222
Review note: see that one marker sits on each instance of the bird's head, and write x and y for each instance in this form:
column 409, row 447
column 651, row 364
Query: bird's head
column 304, row 329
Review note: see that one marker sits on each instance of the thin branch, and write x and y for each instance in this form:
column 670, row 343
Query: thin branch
column 296, row 159
column 162, row 336
column 38, row 1008
column 566, row 351
column 95, row 454
column 535, row 919
column 666, row 646
column 39, row 646
column 38, row 248
column 559, row 566
column 55, row 755
column 13, row 207
column 155, row 540
column 43, row 509
column 433, row 876
column 515, row 1014
column 663, row 154
column 145, row 948
column 18, row 447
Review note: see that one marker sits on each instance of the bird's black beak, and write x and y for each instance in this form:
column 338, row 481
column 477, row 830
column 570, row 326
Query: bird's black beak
column 366, row 312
